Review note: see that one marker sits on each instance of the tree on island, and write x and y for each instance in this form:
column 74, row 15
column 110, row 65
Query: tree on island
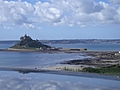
column 26, row 42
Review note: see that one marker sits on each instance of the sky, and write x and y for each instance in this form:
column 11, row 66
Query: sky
column 60, row 19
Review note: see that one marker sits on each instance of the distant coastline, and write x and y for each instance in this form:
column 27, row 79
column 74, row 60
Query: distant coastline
column 73, row 41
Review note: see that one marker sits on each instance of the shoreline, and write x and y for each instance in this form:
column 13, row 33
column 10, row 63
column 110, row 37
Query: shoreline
column 25, row 70
column 60, row 50
column 100, row 59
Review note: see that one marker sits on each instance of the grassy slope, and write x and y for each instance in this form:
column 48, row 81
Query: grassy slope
column 112, row 70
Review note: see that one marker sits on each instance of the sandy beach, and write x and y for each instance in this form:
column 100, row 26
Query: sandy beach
column 25, row 70
column 66, row 67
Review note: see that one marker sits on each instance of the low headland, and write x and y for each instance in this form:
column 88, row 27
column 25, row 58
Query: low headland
column 103, row 62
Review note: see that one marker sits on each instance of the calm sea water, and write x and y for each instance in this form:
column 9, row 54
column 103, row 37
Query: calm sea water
column 41, row 59
column 4, row 46
column 10, row 80
column 88, row 46
column 112, row 47
column 33, row 58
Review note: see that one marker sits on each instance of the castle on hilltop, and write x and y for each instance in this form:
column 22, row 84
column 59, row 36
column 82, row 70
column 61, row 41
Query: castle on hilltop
column 25, row 37
column 26, row 42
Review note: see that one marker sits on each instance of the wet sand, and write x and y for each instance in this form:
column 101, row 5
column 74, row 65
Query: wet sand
column 26, row 70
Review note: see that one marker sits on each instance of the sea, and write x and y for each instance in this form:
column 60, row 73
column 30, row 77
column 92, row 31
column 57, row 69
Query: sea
column 12, row 80
column 45, row 59
column 95, row 47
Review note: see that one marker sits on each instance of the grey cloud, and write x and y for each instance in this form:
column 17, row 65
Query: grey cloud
column 15, row 12
column 19, row 19
column 64, row 12
column 87, row 12
column 47, row 12
column 115, row 1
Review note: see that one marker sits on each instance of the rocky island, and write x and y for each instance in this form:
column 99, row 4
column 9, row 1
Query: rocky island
column 26, row 43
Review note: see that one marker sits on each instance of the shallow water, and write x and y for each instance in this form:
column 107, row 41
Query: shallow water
column 35, row 59
column 40, row 81
column 111, row 47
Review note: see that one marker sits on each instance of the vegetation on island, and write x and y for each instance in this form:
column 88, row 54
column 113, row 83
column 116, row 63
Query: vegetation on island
column 26, row 42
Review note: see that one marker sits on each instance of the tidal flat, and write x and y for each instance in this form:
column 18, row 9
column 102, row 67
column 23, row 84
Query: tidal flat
column 96, row 59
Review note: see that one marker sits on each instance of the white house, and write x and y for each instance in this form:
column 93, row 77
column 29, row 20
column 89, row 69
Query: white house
column 119, row 51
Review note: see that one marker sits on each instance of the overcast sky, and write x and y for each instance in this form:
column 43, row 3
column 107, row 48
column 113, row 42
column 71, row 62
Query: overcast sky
column 60, row 19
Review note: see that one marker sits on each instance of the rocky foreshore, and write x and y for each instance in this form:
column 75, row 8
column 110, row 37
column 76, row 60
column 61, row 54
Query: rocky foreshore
column 100, row 58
